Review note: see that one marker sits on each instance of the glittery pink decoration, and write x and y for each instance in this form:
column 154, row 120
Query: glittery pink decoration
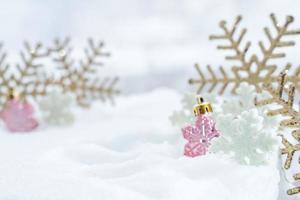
column 199, row 136
column 18, row 116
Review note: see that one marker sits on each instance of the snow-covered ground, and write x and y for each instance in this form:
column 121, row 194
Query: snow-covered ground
column 127, row 152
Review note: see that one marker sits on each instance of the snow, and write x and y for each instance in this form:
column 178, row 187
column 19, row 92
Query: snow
column 127, row 152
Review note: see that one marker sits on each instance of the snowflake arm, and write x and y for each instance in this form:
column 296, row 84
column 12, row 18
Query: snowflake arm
column 286, row 109
column 3, row 78
column 35, row 86
column 25, row 80
column 78, row 80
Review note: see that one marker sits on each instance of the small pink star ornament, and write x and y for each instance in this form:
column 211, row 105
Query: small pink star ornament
column 18, row 115
column 201, row 132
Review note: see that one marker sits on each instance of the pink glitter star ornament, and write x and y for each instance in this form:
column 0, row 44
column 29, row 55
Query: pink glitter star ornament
column 18, row 116
column 201, row 133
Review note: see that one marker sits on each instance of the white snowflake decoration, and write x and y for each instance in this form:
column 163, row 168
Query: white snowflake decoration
column 243, row 137
column 56, row 108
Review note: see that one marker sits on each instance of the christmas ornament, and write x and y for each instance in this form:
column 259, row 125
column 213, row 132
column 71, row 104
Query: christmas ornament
column 255, row 70
column 78, row 80
column 245, row 129
column 291, row 143
column 244, row 137
column 56, row 108
column 18, row 116
column 201, row 133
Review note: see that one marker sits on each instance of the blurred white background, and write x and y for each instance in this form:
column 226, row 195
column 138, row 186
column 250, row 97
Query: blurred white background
column 154, row 43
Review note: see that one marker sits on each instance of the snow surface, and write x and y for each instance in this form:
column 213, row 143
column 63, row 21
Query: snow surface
column 126, row 152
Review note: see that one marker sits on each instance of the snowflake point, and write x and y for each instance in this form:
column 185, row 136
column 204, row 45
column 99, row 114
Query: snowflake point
column 289, row 18
column 222, row 23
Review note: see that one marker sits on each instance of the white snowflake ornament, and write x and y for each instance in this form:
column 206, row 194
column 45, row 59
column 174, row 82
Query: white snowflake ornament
column 246, row 129
column 246, row 94
column 244, row 137
column 56, row 108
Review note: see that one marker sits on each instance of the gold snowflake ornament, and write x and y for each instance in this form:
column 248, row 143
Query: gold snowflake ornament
column 24, row 79
column 291, row 120
column 254, row 70
column 30, row 80
column 81, row 79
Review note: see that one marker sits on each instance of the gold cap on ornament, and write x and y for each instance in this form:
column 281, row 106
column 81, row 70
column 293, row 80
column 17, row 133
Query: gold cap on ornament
column 202, row 107
column 12, row 94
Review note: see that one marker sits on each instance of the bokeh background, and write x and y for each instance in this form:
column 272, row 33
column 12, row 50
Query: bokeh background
column 154, row 43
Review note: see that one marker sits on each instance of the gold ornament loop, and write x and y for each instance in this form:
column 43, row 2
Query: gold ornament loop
column 202, row 107
column 12, row 94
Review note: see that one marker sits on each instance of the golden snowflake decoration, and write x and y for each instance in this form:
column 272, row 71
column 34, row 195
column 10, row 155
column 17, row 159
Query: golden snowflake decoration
column 81, row 80
column 292, row 120
column 24, row 79
column 242, row 69
column 29, row 79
